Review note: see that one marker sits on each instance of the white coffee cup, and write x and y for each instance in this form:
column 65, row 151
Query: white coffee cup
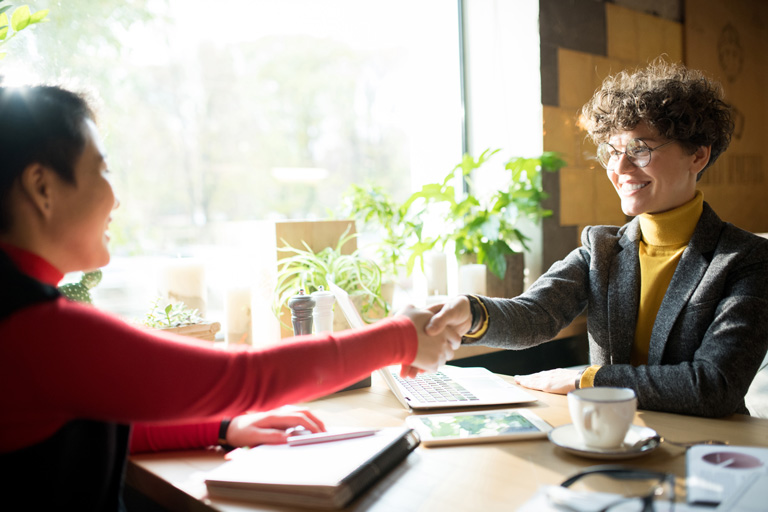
column 602, row 415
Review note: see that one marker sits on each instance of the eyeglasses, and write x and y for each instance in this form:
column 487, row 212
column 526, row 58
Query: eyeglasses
column 642, row 491
column 637, row 152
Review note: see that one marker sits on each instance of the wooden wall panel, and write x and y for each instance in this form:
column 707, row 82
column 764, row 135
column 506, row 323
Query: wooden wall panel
column 729, row 41
column 583, row 45
column 586, row 196
column 637, row 37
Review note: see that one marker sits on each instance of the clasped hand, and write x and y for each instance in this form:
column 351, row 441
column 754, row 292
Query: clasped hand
column 435, row 348
column 455, row 316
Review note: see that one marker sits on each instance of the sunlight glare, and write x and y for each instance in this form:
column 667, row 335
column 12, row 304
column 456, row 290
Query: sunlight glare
column 17, row 74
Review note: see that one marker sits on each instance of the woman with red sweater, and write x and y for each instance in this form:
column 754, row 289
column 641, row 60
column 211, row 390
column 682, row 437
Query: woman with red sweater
column 75, row 379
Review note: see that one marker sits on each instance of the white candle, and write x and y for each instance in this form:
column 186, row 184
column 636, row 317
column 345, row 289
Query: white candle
column 183, row 280
column 472, row 279
column 436, row 273
column 266, row 326
column 238, row 311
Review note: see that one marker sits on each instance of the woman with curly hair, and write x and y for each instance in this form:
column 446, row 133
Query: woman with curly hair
column 676, row 298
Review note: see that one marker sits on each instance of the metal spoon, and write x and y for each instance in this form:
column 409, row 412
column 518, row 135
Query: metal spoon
column 656, row 440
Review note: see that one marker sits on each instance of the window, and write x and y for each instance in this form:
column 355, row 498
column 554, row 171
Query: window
column 218, row 114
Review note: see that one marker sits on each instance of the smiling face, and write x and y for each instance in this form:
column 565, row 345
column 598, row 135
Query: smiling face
column 83, row 209
column 668, row 181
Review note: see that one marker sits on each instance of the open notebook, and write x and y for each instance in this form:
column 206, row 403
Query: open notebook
column 451, row 387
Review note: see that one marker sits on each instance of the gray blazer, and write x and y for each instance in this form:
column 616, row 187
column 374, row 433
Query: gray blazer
column 710, row 334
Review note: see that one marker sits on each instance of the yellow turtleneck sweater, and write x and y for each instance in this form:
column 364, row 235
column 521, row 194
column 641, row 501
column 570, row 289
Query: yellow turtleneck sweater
column 664, row 238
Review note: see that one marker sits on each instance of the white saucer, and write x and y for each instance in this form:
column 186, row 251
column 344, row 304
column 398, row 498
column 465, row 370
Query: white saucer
column 568, row 439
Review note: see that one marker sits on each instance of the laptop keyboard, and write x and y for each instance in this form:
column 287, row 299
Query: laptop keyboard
column 435, row 387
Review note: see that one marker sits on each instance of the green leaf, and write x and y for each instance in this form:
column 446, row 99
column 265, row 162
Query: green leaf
column 418, row 251
column 20, row 18
column 496, row 258
column 433, row 192
column 486, row 155
column 490, row 228
column 39, row 16
column 3, row 9
column 498, row 265
column 551, row 161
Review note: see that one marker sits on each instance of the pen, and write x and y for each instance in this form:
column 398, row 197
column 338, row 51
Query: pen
column 304, row 439
column 293, row 431
column 325, row 437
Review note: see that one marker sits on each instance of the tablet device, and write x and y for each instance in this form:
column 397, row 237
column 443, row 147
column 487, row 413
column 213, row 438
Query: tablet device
column 478, row 426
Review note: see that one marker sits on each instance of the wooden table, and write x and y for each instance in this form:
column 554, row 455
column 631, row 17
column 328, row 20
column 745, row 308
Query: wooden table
column 487, row 477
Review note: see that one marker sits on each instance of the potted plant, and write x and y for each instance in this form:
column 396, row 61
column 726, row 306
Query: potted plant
column 308, row 270
column 171, row 317
column 397, row 229
column 81, row 290
column 180, row 319
column 485, row 229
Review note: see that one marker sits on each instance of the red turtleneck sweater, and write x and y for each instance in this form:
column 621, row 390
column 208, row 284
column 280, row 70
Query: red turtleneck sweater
column 61, row 360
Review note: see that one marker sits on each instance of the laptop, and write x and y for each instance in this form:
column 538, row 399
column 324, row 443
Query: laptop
column 449, row 387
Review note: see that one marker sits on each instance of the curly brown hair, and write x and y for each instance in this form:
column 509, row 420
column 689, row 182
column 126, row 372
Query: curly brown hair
column 680, row 103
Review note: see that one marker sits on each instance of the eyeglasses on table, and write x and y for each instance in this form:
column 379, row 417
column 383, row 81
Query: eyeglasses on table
column 615, row 489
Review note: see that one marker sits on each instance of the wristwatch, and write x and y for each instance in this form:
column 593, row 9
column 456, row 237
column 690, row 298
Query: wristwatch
column 477, row 314
column 223, row 427
column 479, row 319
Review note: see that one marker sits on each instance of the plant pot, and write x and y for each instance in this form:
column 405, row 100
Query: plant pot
column 513, row 283
column 203, row 330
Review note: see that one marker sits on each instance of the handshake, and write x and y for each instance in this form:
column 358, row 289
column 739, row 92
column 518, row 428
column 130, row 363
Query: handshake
column 439, row 329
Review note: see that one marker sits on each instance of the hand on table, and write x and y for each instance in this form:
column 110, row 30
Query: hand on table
column 434, row 348
column 252, row 429
column 559, row 381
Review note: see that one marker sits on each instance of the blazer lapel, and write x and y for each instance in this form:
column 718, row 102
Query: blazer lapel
column 691, row 269
column 624, row 295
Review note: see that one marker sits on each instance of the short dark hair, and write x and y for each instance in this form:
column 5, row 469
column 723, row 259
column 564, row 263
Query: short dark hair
column 39, row 124
column 680, row 103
